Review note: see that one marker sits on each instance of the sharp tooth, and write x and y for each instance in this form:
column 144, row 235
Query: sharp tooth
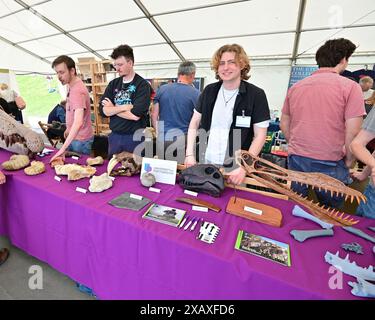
column 346, row 197
column 351, row 199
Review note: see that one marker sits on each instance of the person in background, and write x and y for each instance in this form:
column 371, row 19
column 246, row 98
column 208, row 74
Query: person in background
column 320, row 117
column 358, row 147
column 126, row 101
column 232, row 111
column 366, row 84
column 79, row 134
column 15, row 102
column 58, row 113
column 173, row 108
column 4, row 252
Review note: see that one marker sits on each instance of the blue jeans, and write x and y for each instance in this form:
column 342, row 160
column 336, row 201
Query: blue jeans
column 335, row 169
column 83, row 147
column 367, row 209
column 121, row 142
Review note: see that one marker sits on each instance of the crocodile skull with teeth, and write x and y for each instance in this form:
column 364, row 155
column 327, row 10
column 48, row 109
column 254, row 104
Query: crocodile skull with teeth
column 270, row 174
column 15, row 137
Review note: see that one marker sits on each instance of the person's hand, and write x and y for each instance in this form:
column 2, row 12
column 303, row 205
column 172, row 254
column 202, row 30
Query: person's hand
column 107, row 103
column 237, row 176
column 2, row 178
column 125, row 107
column 60, row 153
column 190, row 161
column 66, row 133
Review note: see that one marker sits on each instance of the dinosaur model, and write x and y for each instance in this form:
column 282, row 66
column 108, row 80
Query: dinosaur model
column 270, row 174
column 15, row 137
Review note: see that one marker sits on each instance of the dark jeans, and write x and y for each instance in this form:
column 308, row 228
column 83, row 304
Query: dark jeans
column 121, row 142
column 335, row 169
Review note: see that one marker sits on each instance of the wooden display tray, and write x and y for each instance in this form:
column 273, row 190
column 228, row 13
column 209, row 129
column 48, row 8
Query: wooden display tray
column 270, row 215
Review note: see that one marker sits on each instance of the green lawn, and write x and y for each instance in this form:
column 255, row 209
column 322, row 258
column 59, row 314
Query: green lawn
column 34, row 89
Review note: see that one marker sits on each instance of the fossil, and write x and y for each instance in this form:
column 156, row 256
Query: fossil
column 270, row 174
column 75, row 171
column 130, row 164
column 95, row 161
column 17, row 138
column 16, row 162
column 100, row 183
column 37, row 167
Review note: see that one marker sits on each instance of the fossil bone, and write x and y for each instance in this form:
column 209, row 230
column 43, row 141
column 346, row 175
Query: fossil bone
column 354, row 247
column 75, row 171
column 37, row 167
column 198, row 202
column 16, row 162
column 299, row 212
column 350, row 268
column 148, row 179
column 130, row 164
column 95, row 161
column 362, row 288
column 15, row 137
column 302, row 235
column 270, row 174
column 59, row 161
column 360, row 233
column 100, row 183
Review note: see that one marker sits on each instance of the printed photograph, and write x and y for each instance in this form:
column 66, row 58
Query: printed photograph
column 263, row 247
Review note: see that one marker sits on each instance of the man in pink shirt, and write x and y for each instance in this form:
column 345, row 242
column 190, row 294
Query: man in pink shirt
column 79, row 133
column 320, row 117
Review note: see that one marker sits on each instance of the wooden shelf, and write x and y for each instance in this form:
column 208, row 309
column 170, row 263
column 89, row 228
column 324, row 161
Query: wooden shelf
column 96, row 72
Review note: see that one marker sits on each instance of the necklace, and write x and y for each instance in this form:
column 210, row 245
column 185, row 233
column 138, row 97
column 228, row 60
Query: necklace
column 231, row 97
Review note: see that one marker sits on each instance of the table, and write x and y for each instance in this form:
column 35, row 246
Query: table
column 120, row 255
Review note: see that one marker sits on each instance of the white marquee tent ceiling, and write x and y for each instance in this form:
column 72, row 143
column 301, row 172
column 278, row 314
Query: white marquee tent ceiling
column 33, row 33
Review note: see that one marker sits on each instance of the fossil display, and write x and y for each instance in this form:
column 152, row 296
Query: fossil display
column 100, row 183
column 130, row 164
column 36, row 167
column 270, row 174
column 148, row 179
column 95, row 161
column 16, row 162
column 17, row 138
column 75, row 171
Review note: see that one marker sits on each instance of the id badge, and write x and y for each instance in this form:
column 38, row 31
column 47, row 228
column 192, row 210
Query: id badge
column 243, row 121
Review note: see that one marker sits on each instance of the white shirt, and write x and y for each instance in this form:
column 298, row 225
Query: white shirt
column 221, row 122
column 367, row 94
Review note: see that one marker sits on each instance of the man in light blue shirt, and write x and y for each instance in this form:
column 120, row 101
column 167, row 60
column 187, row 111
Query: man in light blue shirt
column 173, row 108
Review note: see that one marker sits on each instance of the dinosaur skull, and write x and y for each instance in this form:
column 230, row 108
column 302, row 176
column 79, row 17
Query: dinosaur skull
column 270, row 175
column 15, row 137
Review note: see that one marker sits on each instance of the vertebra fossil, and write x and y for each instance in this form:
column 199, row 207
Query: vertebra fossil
column 270, row 174
column 15, row 137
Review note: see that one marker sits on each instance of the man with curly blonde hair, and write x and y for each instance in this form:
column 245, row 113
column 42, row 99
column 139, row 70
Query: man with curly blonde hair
column 233, row 112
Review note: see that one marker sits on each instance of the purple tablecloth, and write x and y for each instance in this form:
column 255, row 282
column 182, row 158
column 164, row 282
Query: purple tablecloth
column 120, row 255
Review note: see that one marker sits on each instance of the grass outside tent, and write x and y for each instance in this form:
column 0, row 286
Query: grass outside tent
column 41, row 95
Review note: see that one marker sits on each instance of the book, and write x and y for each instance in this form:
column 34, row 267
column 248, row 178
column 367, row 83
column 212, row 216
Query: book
column 164, row 214
column 263, row 247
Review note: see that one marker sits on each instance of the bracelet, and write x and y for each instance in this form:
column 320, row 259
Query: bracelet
column 189, row 155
